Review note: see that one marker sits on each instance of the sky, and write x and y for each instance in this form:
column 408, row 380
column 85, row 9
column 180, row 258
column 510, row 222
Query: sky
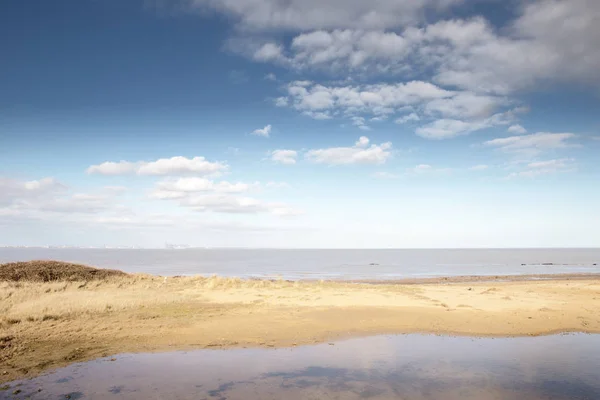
column 300, row 123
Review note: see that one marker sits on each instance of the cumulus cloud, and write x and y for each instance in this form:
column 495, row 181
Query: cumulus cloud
column 264, row 132
column 448, row 128
column 464, row 105
column 377, row 99
column 451, row 113
column 360, row 123
column 533, row 143
column 164, row 166
column 407, row 118
column 268, row 52
column 287, row 157
column 360, row 153
column 301, row 15
column 518, row 129
column 466, row 53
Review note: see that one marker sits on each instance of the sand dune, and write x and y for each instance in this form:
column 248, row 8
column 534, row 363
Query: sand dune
column 49, row 324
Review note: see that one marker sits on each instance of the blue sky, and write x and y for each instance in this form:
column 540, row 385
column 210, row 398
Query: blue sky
column 300, row 123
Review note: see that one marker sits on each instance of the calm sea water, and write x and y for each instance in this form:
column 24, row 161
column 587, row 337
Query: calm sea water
column 409, row 367
column 325, row 264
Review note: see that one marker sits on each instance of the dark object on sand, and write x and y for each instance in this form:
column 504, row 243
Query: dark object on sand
column 48, row 271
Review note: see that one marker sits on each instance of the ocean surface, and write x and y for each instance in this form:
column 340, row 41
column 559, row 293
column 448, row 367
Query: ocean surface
column 409, row 367
column 325, row 264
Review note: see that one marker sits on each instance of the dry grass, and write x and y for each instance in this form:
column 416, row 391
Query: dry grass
column 50, row 271
column 33, row 301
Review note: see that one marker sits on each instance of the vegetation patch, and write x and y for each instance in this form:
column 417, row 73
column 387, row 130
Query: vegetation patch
column 51, row 271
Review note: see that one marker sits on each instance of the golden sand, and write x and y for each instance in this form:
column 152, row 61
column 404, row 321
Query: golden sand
column 47, row 325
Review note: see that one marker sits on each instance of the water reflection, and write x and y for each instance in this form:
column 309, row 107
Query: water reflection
column 412, row 367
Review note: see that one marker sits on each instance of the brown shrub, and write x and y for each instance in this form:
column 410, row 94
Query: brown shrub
column 48, row 271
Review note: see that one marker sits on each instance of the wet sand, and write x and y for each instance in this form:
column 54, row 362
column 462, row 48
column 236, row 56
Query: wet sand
column 47, row 325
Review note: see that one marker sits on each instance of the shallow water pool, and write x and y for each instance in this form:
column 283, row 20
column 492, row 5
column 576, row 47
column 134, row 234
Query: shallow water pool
column 411, row 367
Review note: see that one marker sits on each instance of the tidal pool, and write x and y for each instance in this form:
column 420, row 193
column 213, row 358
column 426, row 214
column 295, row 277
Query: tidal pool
column 411, row 367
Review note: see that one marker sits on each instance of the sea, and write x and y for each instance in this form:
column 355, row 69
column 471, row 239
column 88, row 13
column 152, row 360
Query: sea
column 308, row 264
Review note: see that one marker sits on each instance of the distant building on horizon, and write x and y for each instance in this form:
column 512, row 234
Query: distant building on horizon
column 171, row 246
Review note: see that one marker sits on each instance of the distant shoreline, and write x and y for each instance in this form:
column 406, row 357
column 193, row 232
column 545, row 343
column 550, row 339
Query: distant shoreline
column 480, row 279
column 53, row 314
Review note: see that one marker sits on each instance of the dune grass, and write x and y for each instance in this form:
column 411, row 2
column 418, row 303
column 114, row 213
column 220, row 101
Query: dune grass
column 51, row 290
column 52, row 271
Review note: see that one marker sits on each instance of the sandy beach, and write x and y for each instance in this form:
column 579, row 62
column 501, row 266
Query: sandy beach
column 45, row 325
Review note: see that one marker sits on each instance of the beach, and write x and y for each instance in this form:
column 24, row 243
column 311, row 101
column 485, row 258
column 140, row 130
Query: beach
column 45, row 325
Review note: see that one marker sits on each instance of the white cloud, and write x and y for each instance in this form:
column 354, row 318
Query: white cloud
column 546, row 167
column 194, row 184
column 287, row 157
column 318, row 115
column 480, row 167
column 113, row 168
column 471, row 54
column 47, row 197
column 377, row 99
column 378, row 118
column 236, row 205
column 264, row 132
column 281, row 102
column 360, row 123
column 360, row 153
column 449, row 128
column 12, row 190
column 471, row 112
column 407, row 118
column 347, row 49
column 362, row 141
column 268, row 52
column 464, row 105
column 201, row 194
column 517, row 129
column 301, row 15
column 271, row 77
column 77, row 203
column 533, row 143
column 164, row 166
